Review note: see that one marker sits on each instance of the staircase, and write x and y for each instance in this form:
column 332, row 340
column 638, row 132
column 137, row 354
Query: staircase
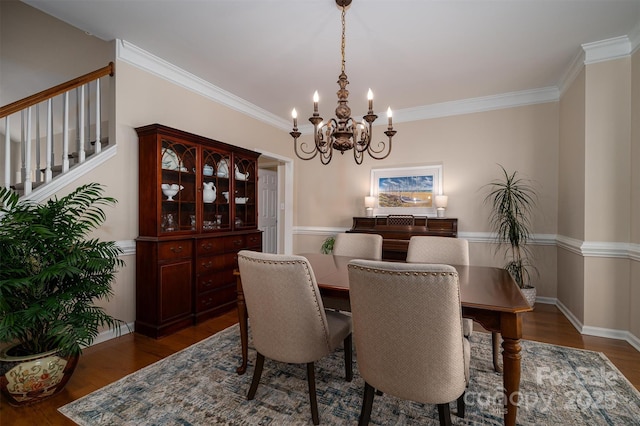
column 49, row 136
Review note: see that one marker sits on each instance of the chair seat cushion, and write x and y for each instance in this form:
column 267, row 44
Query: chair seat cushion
column 339, row 327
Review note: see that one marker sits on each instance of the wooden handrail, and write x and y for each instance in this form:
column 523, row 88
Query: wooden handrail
column 56, row 90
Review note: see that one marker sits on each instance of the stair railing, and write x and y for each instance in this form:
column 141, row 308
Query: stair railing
column 57, row 130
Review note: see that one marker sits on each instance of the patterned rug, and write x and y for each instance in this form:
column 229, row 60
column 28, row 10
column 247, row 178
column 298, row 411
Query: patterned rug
column 199, row 386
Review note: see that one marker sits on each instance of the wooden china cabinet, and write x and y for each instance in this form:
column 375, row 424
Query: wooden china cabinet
column 197, row 209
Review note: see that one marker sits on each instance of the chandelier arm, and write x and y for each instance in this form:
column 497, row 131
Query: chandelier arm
column 358, row 156
column 327, row 155
column 372, row 152
column 309, row 155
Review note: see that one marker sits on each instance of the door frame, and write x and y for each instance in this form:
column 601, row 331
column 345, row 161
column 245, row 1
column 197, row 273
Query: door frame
column 285, row 199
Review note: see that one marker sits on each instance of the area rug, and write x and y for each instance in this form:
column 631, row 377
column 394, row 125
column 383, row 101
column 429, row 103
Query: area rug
column 199, row 386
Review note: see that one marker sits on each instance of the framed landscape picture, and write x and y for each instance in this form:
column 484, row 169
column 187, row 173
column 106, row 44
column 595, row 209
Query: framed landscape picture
column 406, row 190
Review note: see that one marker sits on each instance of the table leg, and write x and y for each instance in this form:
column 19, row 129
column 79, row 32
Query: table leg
column 511, row 327
column 244, row 331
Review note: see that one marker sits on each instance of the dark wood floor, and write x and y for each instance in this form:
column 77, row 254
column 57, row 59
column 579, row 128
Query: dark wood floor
column 107, row 362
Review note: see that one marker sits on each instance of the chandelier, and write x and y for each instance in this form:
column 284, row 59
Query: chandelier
column 342, row 133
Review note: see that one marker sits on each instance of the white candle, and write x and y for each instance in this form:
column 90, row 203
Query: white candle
column 294, row 114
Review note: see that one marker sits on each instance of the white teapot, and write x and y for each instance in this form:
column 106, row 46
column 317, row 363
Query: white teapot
column 209, row 192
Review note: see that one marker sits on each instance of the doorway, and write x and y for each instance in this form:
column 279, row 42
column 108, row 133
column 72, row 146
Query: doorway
column 279, row 239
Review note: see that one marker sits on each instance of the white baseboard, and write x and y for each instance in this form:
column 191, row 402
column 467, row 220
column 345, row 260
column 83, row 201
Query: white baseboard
column 609, row 333
column 110, row 334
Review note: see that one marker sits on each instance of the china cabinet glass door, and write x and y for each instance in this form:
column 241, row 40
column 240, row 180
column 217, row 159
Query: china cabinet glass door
column 216, row 170
column 178, row 187
column 245, row 193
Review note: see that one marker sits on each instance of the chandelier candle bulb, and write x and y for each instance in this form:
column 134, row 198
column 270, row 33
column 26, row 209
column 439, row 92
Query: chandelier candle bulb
column 389, row 114
column 294, row 114
column 370, row 98
column 316, row 98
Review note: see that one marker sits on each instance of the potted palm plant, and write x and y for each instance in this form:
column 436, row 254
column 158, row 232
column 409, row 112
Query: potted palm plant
column 51, row 275
column 512, row 200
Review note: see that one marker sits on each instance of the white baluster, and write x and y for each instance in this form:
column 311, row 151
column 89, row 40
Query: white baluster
column 23, row 133
column 26, row 170
column 38, row 176
column 65, row 132
column 49, row 146
column 98, row 146
column 80, row 125
column 7, row 153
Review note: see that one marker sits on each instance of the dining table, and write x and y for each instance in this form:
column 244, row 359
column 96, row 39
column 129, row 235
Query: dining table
column 488, row 295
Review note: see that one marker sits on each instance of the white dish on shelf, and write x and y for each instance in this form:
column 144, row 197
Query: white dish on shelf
column 170, row 160
column 242, row 200
column 223, row 168
column 170, row 190
column 241, row 176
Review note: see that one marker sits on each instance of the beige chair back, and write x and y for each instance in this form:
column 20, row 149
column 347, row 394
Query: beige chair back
column 364, row 246
column 286, row 314
column 446, row 250
column 407, row 323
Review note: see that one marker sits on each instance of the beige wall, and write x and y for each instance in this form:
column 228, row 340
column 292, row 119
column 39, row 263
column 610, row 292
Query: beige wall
column 469, row 147
column 607, row 151
column 571, row 191
column 597, row 151
column 56, row 51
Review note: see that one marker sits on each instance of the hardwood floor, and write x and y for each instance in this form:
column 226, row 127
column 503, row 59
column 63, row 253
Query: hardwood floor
column 109, row 361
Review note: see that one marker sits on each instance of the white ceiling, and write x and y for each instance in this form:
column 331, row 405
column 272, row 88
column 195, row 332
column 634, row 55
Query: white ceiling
column 411, row 53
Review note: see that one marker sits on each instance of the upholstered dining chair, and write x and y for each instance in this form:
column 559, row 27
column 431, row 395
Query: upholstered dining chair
column 407, row 322
column 449, row 251
column 287, row 317
column 364, row 246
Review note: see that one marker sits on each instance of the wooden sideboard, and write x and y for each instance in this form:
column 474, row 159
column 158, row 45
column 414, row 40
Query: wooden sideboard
column 397, row 230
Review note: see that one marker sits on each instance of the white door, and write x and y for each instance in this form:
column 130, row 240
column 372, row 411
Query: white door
column 268, row 209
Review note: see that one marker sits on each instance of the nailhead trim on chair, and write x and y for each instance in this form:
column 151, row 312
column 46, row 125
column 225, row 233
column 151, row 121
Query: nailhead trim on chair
column 383, row 271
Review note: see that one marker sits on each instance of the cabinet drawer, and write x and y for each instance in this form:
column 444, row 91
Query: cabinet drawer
column 234, row 243
column 215, row 298
column 210, row 245
column 254, row 241
column 209, row 263
column 174, row 249
column 215, row 280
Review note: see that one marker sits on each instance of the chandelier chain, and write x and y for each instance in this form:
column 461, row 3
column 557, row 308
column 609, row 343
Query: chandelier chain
column 343, row 38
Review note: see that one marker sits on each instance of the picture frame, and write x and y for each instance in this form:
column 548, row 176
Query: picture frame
column 406, row 190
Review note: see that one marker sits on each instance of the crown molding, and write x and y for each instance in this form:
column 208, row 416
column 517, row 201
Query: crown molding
column 577, row 64
column 146, row 61
column 606, row 50
column 479, row 104
column 599, row 51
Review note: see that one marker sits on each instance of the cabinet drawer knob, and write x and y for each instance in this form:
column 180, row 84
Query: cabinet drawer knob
column 207, row 246
column 207, row 283
column 237, row 242
column 176, row 249
column 207, row 265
